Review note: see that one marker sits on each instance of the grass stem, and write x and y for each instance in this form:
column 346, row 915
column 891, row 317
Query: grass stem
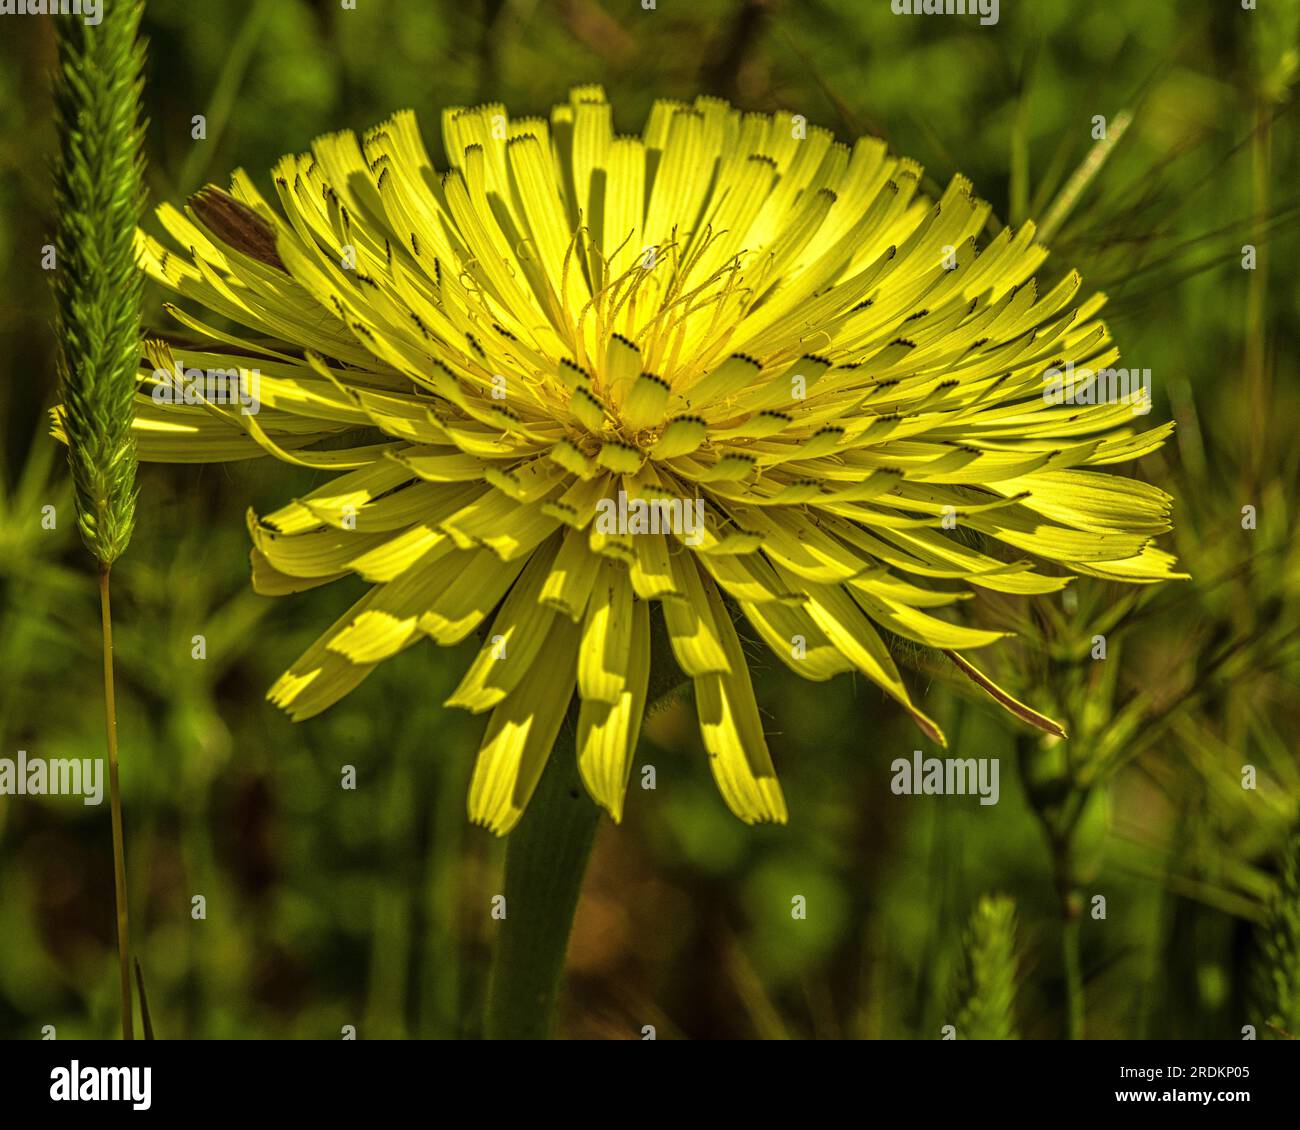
column 115, row 806
column 1083, row 176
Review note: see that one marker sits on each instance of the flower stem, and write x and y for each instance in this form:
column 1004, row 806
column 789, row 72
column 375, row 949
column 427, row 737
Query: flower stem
column 546, row 859
column 115, row 806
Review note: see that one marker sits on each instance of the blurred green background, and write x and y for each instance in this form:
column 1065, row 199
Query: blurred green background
column 371, row 907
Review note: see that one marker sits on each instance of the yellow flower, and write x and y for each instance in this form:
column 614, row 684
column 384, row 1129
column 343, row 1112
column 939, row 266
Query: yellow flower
column 728, row 311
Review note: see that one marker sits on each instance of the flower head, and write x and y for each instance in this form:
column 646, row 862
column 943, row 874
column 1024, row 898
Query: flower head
column 731, row 314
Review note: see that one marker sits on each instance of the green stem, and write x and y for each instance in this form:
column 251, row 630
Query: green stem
column 1083, row 176
column 235, row 65
column 1073, row 975
column 1257, row 294
column 115, row 807
column 546, row 859
column 1058, row 802
column 1071, row 919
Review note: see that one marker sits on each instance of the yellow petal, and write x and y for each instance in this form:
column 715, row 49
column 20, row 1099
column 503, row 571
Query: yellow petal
column 607, row 731
column 521, row 732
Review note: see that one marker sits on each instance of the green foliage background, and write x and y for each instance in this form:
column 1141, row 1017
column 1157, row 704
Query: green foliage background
column 371, row 907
